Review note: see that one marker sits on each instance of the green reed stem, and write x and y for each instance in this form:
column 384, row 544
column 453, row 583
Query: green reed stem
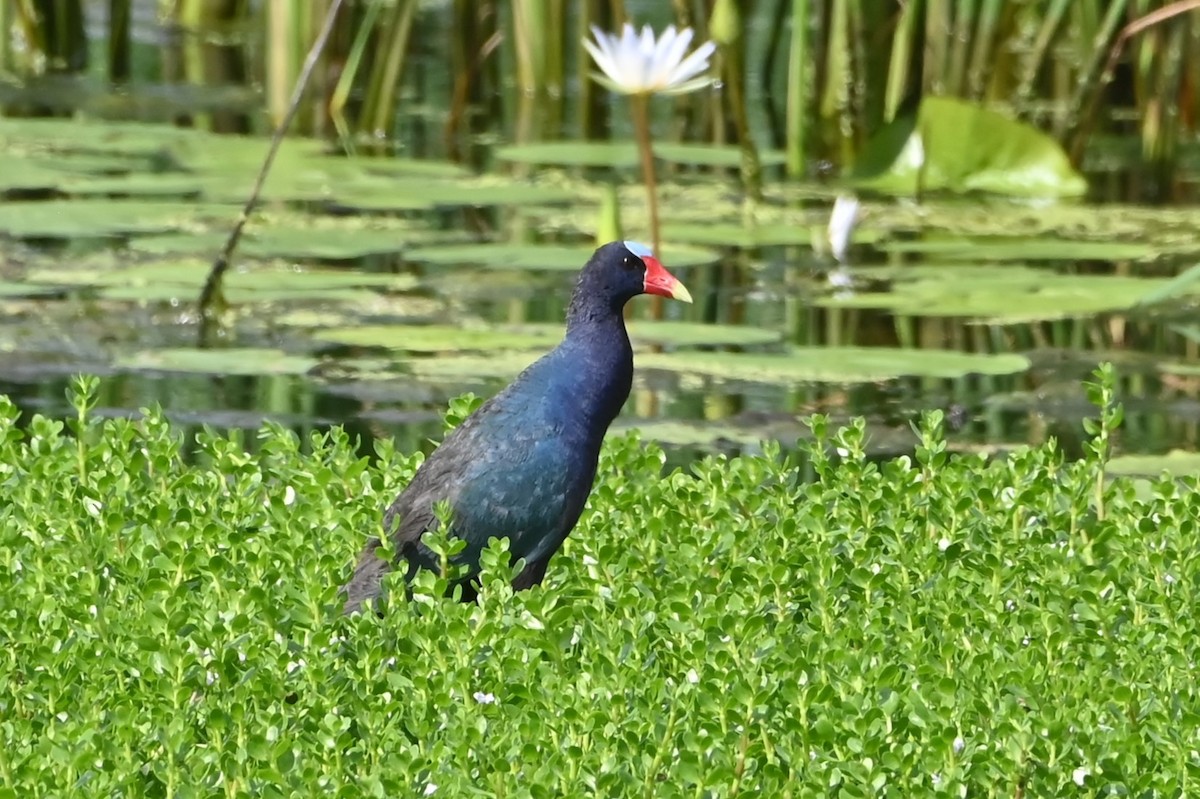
column 983, row 54
column 641, row 124
column 386, row 79
column 530, row 20
column 937, row 40
column 1051, row 23
column 901, row 60
column 961, row 44
column 799, row 78
column 1095, row 76
column 345, row 84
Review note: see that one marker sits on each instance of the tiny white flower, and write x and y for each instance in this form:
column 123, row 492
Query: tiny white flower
column 634, row 64
column 1080, row 774
column 876, row 568
column 842, row 452
column 289, row 495
column 1169, row 578
column 93, row 506
column 430, row 789
column 959, row 744
column 485, row 699
column 841, row 224
column 936, row 779
column 692, row 676
column 944, row 544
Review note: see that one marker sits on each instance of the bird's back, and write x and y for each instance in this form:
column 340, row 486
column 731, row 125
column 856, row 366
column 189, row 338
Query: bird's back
column 520, row 467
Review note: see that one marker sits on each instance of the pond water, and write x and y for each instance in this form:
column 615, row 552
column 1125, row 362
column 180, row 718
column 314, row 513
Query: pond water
column 369, row 292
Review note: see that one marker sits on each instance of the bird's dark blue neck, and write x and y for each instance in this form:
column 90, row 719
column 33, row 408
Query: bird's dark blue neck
column 599, row 359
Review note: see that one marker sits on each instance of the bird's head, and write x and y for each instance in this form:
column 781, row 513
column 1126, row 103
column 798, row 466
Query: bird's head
column 621, row 270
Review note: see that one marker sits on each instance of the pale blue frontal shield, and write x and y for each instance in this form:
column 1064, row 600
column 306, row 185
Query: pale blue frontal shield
column 638, row 249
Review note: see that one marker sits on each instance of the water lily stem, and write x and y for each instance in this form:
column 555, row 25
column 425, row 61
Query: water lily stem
column 641, row 126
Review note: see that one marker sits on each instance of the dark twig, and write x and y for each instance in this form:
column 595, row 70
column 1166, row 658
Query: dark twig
column 212, row 286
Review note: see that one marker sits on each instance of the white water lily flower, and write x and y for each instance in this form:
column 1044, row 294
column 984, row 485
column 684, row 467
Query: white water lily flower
column 634, row 64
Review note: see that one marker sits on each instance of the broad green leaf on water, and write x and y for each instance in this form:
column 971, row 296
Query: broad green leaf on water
column 1176, row 463
column 181, row 282
column 624, row 154
column 834, row 364
column 328, row 244
column 952, row 145
column 178, row 293
column 621, row 154
column 1180, row 284
column 689, row 334
column 544, row 257
column 444, row 338
column 15, row 289
column 393, row 306
column 100, row 218
column 501, row 365
column 726, row 234
column 1181, row 369
column 683, row 434
column 27, row 175
column 166, row 184
column 385, row 194
column 994, row 294
column 1036, row 248
column 25, row 135
column 260, row 277
column 726, row 155
column 233, row 361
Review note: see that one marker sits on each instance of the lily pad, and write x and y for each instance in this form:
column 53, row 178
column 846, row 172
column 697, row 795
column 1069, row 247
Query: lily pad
column 193, row 273
column 167, row 184
column 23, row 135
column 15, row 289
column 393, row 195
column 102, row 218
column 1040, row 248
column 953, row 145
column 327, row 244
column 619, row 154
column 1176, row 463
column 995, row 294
column 725, row 155
column 444, row 338
column 544, row 257
column 624, row 154
column 498, row 366
column 834, row 364
column 682, row 434
column 691, row 334
column 233, row 361
column 724, row 234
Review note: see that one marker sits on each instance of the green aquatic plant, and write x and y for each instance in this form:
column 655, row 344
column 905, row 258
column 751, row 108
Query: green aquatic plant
column 916, row 625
